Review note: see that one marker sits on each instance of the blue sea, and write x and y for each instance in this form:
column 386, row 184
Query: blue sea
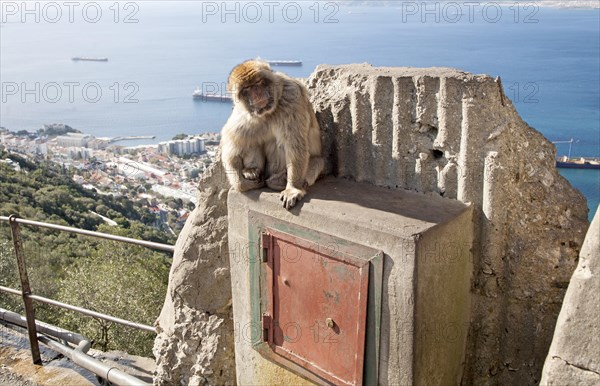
column 159, row 52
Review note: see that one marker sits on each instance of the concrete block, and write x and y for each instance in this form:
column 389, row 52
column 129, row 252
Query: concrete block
column 426, row 303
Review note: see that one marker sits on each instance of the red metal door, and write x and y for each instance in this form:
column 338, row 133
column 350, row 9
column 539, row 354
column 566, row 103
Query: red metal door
column 317, row 307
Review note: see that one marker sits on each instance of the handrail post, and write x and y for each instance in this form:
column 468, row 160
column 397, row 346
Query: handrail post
column 25, row 290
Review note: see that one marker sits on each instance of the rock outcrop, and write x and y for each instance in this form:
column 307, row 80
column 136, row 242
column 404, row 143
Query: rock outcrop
column 574, row 357
column 436, row 131
column 194, row 345
column 442, row 131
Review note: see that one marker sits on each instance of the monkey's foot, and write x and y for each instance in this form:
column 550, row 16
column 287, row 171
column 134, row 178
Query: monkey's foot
column 291, row 196
column 277, row 181
column 252, row 174
column 245, row 185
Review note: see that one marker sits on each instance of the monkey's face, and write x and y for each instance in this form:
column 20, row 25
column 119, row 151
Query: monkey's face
column 258, row 97
column 255, row 86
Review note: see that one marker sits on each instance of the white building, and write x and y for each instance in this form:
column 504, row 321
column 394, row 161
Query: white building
column 24, row 145
column 38, row 147
column 80, row 153
column 74, row 140
column 97, row 144
column 194, row 145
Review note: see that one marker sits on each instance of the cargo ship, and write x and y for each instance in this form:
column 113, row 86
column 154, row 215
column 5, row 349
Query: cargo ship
column 198, row 94
column 284, row 62
column 84, row 59
column 578, row 163
column 566, row 162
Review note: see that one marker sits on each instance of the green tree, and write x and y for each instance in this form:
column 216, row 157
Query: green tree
column 194, row 173
column 121, row 280
column 180, row 136
column 9, row 276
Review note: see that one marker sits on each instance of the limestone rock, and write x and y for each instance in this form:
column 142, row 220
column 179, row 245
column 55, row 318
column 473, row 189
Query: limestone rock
column 194, row 345
column 574, row 356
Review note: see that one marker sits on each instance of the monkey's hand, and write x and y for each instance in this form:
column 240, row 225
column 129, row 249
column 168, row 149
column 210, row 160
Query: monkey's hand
column 252, row 174
column 291, row 196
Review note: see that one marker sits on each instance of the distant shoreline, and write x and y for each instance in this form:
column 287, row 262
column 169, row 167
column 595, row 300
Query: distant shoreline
column 571, row 4
column 559, row 4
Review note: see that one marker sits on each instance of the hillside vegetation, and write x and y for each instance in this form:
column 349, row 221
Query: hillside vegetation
column 115, row 278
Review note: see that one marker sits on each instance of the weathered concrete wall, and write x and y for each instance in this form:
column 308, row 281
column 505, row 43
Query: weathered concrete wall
column 574, row 357
column 446, row 132
column 437, row 131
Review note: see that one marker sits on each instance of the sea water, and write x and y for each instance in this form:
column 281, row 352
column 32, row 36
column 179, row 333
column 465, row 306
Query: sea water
column 159, row 52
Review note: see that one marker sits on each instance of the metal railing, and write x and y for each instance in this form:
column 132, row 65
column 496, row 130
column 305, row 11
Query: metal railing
column 29, row 297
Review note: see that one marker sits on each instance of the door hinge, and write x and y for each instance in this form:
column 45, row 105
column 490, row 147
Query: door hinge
column 265, row 244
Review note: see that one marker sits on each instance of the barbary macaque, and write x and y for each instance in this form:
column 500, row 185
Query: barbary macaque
column 272, row 136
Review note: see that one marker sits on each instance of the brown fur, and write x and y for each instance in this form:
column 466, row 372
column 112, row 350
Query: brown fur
column 273, row 139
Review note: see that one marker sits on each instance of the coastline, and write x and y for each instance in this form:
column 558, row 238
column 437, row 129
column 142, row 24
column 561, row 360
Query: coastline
column 560, row 4
column 570, row 4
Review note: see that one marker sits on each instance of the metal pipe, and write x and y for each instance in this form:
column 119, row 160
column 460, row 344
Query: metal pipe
column 82, row 343
column 111, row 374
column 148, row 244
column 84, row 311
column 10, row 290
column 93, row 313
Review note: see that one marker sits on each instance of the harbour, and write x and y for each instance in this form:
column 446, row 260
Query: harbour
column 131, row 138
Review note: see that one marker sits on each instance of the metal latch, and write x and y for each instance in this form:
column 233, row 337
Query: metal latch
column 266, row 324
